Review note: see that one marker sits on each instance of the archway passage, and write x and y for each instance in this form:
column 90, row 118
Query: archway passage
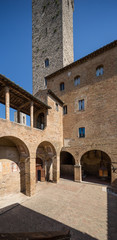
column 67, row 163
column 14, row 162
column 46, row 162
column 96, row 167
column 40, row 171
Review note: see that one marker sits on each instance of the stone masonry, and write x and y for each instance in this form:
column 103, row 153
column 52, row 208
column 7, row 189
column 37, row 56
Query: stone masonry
column 52, row 38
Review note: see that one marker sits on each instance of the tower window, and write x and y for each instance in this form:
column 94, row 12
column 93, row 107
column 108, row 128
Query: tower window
column 76, row 81
column 81, row 132
column 81, row 104
column 65, row 110
column 99, row 71
column 46, row 62
column 62, row 86
column 57, row 107
column 45, row 82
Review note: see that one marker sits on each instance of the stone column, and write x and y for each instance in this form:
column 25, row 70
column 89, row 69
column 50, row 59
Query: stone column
column 77, row 173
column 30, row 180
column 31, row 114
column 56, row 168
column 7, row 103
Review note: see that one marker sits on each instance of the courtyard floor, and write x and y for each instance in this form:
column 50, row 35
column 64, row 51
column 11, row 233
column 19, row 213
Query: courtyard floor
column 88, row 210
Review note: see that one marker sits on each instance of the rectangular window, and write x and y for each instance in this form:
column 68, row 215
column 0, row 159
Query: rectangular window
column 81, row 132
column 45, row 82
column 62, row 86
column 57, row 107
column 81, row 104
column 64, row 110
column 76, row 81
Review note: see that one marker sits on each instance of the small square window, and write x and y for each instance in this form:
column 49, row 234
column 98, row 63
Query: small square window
column 81, row 132
column 57, row 107
column 99, row 71
column 64, row 110
column 81, row 104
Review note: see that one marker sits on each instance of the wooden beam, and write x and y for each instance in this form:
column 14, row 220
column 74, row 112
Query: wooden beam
column 23, row 105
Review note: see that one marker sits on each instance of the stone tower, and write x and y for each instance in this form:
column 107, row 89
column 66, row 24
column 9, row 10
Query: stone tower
column 52, row 38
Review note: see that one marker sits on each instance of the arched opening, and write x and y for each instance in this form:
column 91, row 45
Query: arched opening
column 46, row 156
column 40, row 172
column 96, row 167
column 67, row 163
column 40, row 121
column 14, row 164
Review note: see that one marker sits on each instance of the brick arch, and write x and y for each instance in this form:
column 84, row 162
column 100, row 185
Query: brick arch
column 14, row 157
column 96, row 166
column 70, row 152
column 82, row 152
column 48, row 154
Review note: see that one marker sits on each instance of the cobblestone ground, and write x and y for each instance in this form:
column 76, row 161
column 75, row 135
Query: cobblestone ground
column 88, row 210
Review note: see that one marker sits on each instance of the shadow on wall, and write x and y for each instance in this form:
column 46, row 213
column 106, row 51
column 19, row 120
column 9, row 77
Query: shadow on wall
column 19, row 219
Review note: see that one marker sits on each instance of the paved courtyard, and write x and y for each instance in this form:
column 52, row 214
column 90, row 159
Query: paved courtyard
column 88, row 210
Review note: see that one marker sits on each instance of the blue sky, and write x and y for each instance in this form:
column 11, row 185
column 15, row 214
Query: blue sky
column 95, row 25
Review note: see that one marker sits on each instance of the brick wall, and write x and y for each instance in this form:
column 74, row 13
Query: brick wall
column 100, row 95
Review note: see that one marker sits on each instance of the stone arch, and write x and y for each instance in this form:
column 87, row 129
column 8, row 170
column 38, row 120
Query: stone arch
column 14, row 165
column 96, row 166
column 47, row 153
column 67, row 162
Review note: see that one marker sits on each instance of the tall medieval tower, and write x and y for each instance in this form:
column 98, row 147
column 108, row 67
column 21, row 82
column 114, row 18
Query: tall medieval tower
column 52, row 38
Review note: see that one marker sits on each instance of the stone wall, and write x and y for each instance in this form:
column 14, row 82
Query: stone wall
column 52, row 37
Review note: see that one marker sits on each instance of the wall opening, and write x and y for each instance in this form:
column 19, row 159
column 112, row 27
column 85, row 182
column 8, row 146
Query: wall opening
column 14, row 161
column 67, row 163
column 96, row 167
column 45, row 162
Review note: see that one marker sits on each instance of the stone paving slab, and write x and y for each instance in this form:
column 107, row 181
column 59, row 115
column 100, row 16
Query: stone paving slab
column 88, row 210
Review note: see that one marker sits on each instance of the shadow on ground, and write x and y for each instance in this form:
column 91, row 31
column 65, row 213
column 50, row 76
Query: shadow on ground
column 17, row 219
column 112, row 215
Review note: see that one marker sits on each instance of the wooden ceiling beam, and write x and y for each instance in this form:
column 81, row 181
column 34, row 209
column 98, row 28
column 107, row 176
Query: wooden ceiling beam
column 23, row 105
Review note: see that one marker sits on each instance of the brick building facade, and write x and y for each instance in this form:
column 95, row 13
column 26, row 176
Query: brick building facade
column 73, row 118
column 89, row 113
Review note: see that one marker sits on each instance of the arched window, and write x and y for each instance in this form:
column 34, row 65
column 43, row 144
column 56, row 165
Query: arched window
column 99, row 71
column 40, row 121
column 46, row 62
column 76, row 80
column 62, row 86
